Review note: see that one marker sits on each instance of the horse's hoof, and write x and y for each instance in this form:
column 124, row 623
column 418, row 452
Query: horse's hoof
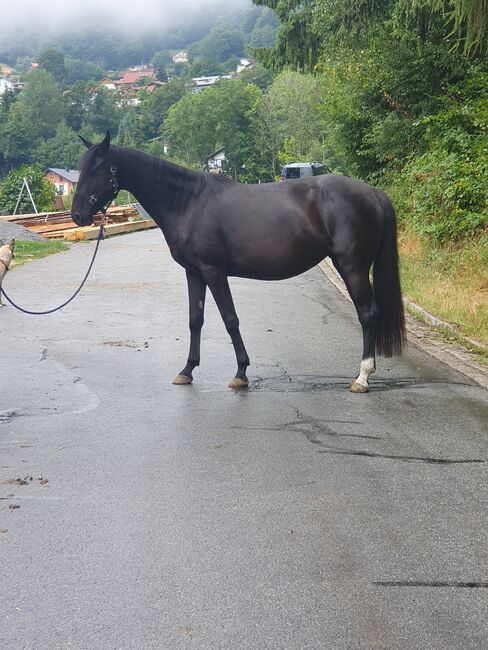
column 181, row 380
column 356, row 387
column 237, row 382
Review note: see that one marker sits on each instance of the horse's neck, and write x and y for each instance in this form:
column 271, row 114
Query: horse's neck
column 160, row 187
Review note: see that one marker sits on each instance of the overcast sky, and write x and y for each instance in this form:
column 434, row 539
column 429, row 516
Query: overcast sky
column 132, row 14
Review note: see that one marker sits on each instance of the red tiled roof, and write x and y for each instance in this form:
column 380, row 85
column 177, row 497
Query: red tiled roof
column 131, row 76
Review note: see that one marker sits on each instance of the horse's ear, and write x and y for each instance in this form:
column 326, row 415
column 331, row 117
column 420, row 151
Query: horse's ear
column 12, row 244
column 86, row 142
column 105, row 143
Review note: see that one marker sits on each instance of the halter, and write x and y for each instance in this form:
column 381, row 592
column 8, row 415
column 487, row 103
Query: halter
column 5, row 265
column 93, row 199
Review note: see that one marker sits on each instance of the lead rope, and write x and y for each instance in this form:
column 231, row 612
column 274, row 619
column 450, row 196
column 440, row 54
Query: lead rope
column 101, row 235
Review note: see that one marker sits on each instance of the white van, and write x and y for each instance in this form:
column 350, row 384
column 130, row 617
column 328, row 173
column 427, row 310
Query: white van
column 301, row 169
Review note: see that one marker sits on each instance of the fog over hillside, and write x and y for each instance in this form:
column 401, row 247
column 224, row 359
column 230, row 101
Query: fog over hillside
column 141, row 16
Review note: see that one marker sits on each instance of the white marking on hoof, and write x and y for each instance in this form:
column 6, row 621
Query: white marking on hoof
column 237, row 382
column 366, row 369
column 181, row 380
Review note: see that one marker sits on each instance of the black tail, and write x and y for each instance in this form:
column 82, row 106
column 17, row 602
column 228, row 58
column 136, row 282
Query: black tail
column 386, row 278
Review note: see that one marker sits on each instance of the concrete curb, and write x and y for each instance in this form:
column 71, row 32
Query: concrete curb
column 424, row 336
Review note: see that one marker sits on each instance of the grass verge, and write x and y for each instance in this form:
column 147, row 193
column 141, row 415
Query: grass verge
column 450, row 282
column 26, row 251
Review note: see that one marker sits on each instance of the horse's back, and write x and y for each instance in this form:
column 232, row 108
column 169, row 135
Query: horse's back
column 278, row 230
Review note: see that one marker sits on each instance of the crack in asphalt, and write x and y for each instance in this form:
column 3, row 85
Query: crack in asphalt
column 435, row 583
column 420, row 459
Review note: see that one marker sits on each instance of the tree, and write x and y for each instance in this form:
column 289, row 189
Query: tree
column 265, row 30
column 155, row 106
column 295, row 100
column 104, row 111
column 201, row 123
column 7, row 98
column 267, row 139
column 53, row 62
column 63, row 150
column 221, row 42
column 466, row 20
column 128, row 134
column 257, row 75
column 43, row 191
column 80, row 70
column 78, row 101
column 16, row 144
column 297, row 42
column 41, row 104
column 160, row 61
column 23, row 64
column 181, row 70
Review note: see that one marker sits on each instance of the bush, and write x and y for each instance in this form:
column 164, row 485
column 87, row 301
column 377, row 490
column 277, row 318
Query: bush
column 444, row 192
column 43, row 191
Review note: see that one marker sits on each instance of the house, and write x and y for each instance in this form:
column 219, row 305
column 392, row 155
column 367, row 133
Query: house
column 130, row 77
column 5, row 85
column 200, row 83
column 216, row 160
column 152, row 85
column 109, row 83
column 64, row 180
column 180, row 57
column 246, row 64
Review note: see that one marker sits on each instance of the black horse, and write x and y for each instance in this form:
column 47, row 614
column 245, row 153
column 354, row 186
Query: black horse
column 217, row 228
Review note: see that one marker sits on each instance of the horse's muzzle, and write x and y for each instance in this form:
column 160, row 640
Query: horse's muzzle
column 86, row 220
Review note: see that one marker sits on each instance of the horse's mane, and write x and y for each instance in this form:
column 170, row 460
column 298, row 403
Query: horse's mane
column 179, row 185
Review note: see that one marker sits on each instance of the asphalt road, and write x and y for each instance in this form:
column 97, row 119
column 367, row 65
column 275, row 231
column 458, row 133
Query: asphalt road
column 293, row 515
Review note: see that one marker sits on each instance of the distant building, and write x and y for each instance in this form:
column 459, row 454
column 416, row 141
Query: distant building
column 205, row 82
column 128, row 83
column 246, row 64
column 130, row 77
column 180, row 57
column 138, row 68
column 5, row 85
column 109, row 83
column 216, row 160
column 64, row 180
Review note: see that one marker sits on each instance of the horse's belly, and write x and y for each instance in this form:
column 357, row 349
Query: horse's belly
column 278, row 263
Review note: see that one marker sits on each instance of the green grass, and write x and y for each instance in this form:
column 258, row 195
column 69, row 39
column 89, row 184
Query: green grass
column 26, row 251
column 450, row 282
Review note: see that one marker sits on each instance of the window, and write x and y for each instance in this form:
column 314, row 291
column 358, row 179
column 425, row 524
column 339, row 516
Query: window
column 292, row 172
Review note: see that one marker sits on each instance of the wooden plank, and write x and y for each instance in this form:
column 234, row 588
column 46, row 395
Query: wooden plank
column 121, row 212
column 24, row 219
column 54, row 227
column 91, row 232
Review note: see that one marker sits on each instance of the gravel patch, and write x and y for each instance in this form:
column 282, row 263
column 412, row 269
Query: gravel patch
column 10, row 231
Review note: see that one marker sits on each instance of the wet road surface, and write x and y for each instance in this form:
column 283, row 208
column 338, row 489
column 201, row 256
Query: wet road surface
column 293, row 515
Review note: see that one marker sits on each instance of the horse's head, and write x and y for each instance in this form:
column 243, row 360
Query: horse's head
column 97, row 184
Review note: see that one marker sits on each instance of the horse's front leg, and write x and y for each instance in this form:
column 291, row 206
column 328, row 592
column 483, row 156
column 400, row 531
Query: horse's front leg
column 219, row 286
column 196, row 296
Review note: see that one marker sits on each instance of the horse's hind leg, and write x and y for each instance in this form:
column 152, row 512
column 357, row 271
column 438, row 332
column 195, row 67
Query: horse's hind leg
column 361, row 293
column 196, row 295
column 219, row 286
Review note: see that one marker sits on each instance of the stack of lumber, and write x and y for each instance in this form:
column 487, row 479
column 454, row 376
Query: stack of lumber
column 58, row 225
